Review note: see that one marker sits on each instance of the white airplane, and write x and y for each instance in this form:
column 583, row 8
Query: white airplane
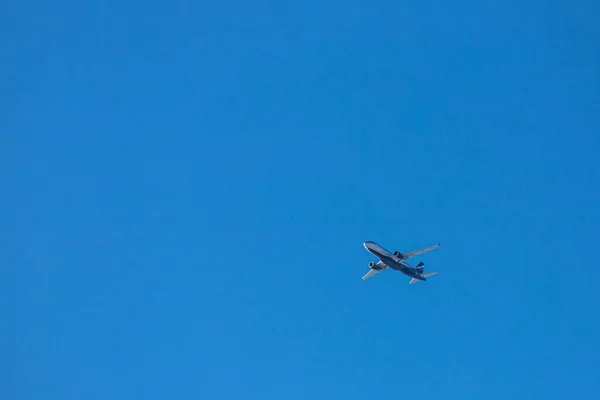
column 396, row 261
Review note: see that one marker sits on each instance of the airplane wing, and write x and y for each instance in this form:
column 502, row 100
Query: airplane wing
column 417, row 252
column 369, row 274
column 413, row 280
column 372, row 272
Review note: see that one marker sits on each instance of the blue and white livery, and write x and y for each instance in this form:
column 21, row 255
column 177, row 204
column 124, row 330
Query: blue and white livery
column 397, row 261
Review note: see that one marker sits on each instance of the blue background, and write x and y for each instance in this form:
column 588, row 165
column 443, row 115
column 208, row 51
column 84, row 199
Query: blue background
column 187, row 187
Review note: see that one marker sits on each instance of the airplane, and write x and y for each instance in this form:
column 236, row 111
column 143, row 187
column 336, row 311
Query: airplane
column 396, row 260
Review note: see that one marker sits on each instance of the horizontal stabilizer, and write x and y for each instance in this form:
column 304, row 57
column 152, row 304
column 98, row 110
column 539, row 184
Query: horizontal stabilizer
column 426, row 275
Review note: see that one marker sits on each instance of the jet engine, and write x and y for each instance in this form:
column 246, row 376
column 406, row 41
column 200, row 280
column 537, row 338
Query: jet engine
column 374, row 266
column 398, row 254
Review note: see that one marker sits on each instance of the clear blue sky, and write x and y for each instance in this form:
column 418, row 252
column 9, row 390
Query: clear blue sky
column 187, row 187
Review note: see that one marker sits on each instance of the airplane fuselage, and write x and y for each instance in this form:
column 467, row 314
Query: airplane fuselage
column 392, row 261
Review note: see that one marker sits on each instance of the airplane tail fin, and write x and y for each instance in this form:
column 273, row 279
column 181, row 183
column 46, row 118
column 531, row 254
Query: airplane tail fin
column 419, row 267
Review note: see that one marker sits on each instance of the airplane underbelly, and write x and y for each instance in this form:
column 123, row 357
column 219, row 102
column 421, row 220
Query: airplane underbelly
column 399, row 267
column 412, row 274
column 393, row 264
